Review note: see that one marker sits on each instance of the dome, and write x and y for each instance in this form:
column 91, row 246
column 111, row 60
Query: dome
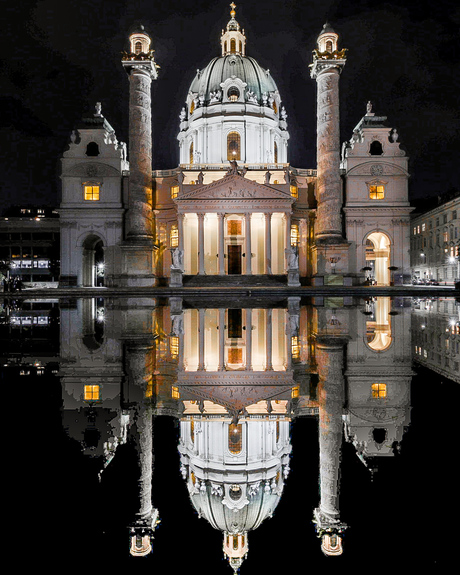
column 247, row 69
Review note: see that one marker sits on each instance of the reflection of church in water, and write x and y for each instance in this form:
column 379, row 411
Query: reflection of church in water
column 234, row 206
column 236, row 378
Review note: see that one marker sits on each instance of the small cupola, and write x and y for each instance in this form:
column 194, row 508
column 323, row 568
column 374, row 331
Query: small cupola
column 233, row 40
column 139, row 41
column 327, row 40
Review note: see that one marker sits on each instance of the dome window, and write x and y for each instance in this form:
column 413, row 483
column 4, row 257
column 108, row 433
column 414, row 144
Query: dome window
column 233, row 94
column 138, row 48
column 235, row 492
column 235, row 440
column 191, row 154
column 233, row 46
column 275, row 149
column 329, row 46
column 233, row 146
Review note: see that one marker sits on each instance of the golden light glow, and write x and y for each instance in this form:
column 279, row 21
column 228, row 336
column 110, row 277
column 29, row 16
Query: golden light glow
column 294, row 235
column 174, row 191
column 295, row 347
column 174, row 346
column 235, row 438
column 234, row 227
column 175, row 393
column 91, row 392
column 379, row 390
column 294, row 192
column 91, row 193
column 191, row 154
column 376, row 192
column 174, row 236
column 233, row 146
column 235, row 355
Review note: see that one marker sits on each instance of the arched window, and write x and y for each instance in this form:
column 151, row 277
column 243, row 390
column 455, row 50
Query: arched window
column 329, row 46
column 275, row 107
column 191, row 154
column 233, row 94
column 275, row 151
column 376, row 148
column 92, row 149
column 138, row 48
column 235, row 438
column 192, row 106
column 232, row 46
column 233, row 146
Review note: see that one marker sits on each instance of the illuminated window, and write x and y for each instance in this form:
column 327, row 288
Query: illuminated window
column 192, row 437
column 328, row 46
column 295, row 392
column 376, row 192
column 192, row 106
column 275, row 146
column 174, row 236
column 233, row 94
column 149, row 388
column 174, row 191
column 294, row 235
column 235, row 355
column 191, row 153
column 174, row 346
column 138, row 48
column 294, row 191
column 275, row 109
column 235, row 438
column 233, row 146
column 91, row 392
column 234, row 227
column 295, row 347
column 379, row 390
column 232, row 46
column 175, row 393
column 91, row 193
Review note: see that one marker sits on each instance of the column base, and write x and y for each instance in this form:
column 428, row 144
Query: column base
column 137, row 265
column 175, row 279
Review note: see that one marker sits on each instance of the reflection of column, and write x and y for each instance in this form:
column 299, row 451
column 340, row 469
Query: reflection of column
column 201, row 243
column 247, row 221
column 329, row 356
column 268, row 339
column 220, row 234
column 249, row 338
column 221, row 339
column 201, row 340
column 268, row 243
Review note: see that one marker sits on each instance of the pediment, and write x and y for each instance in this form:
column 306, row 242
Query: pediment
column 377, row 169
column 92, row 170
column 233, row 187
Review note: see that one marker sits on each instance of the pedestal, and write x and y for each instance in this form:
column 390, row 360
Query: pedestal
column 137, row 265
column 175, row 279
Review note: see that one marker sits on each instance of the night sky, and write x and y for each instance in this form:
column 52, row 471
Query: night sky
column 59, row 58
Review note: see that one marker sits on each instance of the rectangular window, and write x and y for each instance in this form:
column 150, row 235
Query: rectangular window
column 174, row 191
column 295, row 192
column 91, row 392
column 423, row 227
column 235, row 355
column 294, row 235
column 379, row 390
column 376, row 192
column 91, row 193
column 234, row 227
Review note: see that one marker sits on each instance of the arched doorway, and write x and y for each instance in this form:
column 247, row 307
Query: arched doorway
column 378, row 258
column 93, row 264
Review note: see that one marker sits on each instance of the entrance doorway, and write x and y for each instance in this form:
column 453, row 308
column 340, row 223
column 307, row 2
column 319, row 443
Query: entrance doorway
column 93, row 262
column 234, row 259
column 378, row 257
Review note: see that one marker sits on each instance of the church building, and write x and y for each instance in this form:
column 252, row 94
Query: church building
column 234, row 206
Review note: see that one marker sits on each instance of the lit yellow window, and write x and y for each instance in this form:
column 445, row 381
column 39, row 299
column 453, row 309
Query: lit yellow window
column 294, row 191
column 234, row 227
column 235, row 355
column 149, row 388
column 174, row 346
column 294, row 235
column 233, row 146
column 91, row 193
column 295, row 347
column 192, row 107
column 174, row 237
column 295, row 392
column 174, row 191
column 235, row 437
column 379, row 390
column 275, row 146
column 376, row 192
column 275, row 109
column 91, row 392
column 191, row 154
column 175, row 393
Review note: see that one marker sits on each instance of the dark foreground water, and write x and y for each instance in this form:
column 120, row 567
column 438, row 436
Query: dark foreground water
column 233, row 417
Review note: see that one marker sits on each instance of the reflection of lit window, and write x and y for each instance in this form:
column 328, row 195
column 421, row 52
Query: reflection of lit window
column 235, row 437
column 175, row 393
column 379, row 390
column 174, row 191
column 234, row 227
column 91, row 193
column 295, row 392
column 174, row 346
column 233, row 94
column 376, row 192
column 91, row 392
column 174, row 237
column 235, row 355
column 294, row 191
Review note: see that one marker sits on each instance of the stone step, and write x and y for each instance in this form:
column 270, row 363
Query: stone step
column 234, row 280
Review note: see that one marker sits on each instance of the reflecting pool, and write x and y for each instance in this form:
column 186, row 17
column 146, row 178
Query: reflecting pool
column 237, row 436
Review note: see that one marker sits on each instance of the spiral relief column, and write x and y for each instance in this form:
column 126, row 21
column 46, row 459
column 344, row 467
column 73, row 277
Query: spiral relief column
column 331, row 249
column 138, row 249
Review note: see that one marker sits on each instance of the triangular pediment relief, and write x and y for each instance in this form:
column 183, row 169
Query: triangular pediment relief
column 376, row 169
column 233, row 187
column 91, row 170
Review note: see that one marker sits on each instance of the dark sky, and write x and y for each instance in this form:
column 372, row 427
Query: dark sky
column 59, row 58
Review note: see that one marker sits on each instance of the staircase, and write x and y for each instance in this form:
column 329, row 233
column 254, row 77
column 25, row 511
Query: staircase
column 235, row 281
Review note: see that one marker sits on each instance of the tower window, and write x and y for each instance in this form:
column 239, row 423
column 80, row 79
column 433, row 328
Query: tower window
column 233, row 146
column 174, row 191
column 275, row 107
column 191, row 153
column 91, row 393
column 376, row 148
column 192, row 106
column 174, row 237
column 92, row 149
column 379, row 390
column 232, row 46
column 329, row 46
column 138, row 48
column 233, row 94
column 376, row 192
column 91, row 193
column 294, row 235
column 294, row 191
column 275, row 147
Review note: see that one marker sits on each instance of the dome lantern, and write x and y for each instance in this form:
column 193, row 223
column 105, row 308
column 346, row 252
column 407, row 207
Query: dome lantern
column 233, row 40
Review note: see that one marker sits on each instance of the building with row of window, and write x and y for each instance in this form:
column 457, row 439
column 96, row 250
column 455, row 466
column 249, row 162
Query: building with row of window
column 435, row 241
